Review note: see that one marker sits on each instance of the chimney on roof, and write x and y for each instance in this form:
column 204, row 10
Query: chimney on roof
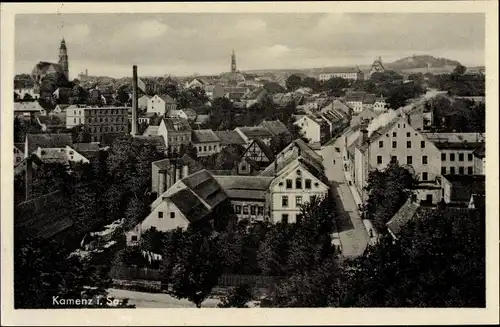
column 363, row 139
column 134, row 101
column 161, row 182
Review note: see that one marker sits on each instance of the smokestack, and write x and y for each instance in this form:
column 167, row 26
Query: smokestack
column 178, row 168
column 185, row 170
column 29, row 178
column 134, row 101
column 363, row 138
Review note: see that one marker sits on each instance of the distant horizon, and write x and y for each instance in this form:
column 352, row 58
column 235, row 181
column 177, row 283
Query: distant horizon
column 183, row 44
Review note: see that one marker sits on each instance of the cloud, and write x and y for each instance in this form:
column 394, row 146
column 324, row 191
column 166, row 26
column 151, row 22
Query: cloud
column 77, row 32
column 250, row 25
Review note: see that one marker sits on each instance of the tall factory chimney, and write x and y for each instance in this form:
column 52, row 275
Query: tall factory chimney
column 134, row 101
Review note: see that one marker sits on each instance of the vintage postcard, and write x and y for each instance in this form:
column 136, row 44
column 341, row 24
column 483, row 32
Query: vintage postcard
column 269, row 163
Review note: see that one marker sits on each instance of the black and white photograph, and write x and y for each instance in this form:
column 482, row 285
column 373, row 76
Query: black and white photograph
column 243, row 159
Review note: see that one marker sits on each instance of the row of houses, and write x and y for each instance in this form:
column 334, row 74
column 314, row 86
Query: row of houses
column 189, row 194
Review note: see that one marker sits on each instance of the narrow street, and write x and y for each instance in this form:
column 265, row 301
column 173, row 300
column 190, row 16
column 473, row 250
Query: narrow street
column 351, row 230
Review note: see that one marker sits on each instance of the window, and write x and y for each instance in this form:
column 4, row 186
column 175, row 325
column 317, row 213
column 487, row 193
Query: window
column 284, row 218
column 469, row 156
column 134, row 238
column 238, row 209
column 74, row 120
column 408, row 144
column 452, row 170
column 172, row 215
column 428, row 198
column 288, row 183
column 399, row 125
column 470, row 170
column 408, row 134
column 284, row 201
column 253, row 210
column 424, row 160
column 308, row 184
column 424, row 176
column 443, row 156
column 204, row 148
column 394, row 144
column 260, row 211
column 245, row 210
column 443, row 170
column 461, row 170
column 409, row 160
column 422, row 144
column 460, row 157
column 394, row 134
column 380, row 144
column 298, row 183
column 298, row 201
column 452, row 157
column 379, row 160
column 160, row 214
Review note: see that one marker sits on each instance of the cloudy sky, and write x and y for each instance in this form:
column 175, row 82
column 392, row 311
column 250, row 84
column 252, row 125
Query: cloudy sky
column 187, row 43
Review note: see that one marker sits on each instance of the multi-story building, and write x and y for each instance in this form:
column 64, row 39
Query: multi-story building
column 206, row 142
column 396, row 140
column 161, row 104
column 314, row 128
column 259, row 153
column 105, row 121
column 354, row 74
column 176, row 132
column 28, row 109
column 249, row 195
column 298, row 176
column 457, row 151
column 75, row 115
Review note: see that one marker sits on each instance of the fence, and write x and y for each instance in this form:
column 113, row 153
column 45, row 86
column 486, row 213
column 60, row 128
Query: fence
column 226, row 280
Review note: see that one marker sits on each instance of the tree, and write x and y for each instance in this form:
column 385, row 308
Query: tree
column 198, row 267
column 459, row 70
column 238, row 297
column 122, row 96
column 81, row 134
column 134, row 212
column 293, row 82
column 152, row 240
column 335, row 85
column 273, row 88
column 387, row 191
column 312, row 83
column 437, row 261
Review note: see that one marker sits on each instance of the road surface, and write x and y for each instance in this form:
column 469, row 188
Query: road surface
column 157, row 300
column 352, row 233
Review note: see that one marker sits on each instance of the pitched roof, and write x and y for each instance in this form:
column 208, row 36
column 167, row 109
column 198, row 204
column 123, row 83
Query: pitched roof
column 403, row 216
column 245, row 187
column 85, row 147
column 167, row 98
column 53, row 156
column 190, row 205
column 266, row 149
column 42, row 217
column 256, row 131
column 189, row 112
column 463, row 186
column 27, row 106
column 275, row 126
column 204, row 136
column 177, row 124
column 151, row 130
column 203, row 184
column 155, row 140
column 229, row 137
column 200, row 119
column 48, row 141
column 43, row 66
column 334, row 70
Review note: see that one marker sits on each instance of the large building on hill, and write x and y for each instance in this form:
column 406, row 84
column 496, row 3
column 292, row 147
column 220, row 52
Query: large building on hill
column 43, row 68
column 354, row 74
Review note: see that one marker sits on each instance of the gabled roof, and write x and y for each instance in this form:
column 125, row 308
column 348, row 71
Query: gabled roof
column 200, row 119
column 204, row 136
column 267, row 150
column 256, row 132
column 203, row 184
column 403, row 216
column 245, row 187
column 189, row 112
column 275, row 126
column 182, row 124
column 189, row 204
column 229, row 138
column 48, row 141
column 166, row 164
column 54, row 156
column 338, row 70
column 157, row 141
column 167, row 98
column 27, row 106
column 85, row 147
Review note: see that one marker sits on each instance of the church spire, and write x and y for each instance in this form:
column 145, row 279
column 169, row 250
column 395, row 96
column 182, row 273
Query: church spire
column 63, row 58
column 233, row 62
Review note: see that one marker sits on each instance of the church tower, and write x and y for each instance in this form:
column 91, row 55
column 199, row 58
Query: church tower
column 233, row 63
column 63, row 58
